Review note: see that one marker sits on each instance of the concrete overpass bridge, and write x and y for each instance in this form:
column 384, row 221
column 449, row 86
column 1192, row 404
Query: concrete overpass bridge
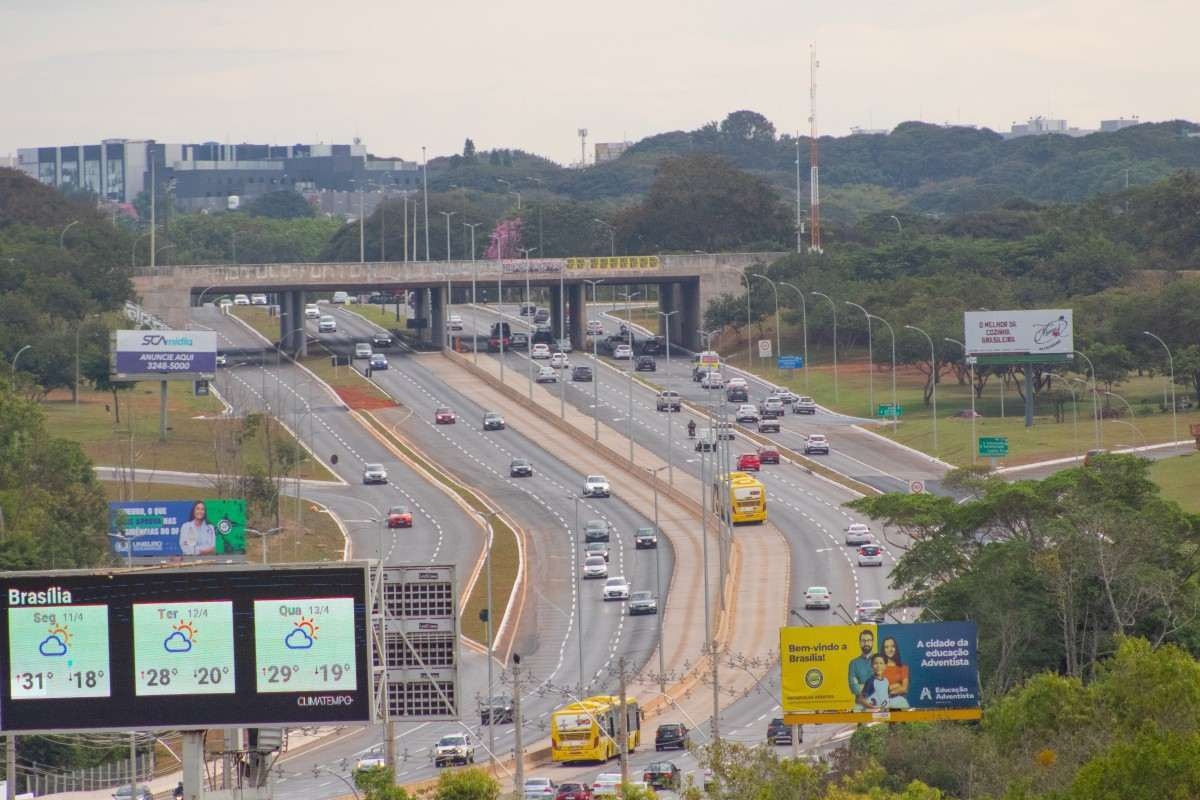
column 686, row 283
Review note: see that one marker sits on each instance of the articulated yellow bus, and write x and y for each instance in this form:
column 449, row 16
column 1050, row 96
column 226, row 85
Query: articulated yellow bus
column 587, row 730
column 747, row 500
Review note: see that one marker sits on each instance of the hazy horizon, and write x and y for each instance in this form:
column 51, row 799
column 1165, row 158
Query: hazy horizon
column 528, row 75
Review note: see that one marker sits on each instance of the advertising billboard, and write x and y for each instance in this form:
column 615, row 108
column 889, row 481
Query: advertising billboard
column 165, row 529
column 185, row 648
column 870, row 669
column 163, row 355
column 1041, row 331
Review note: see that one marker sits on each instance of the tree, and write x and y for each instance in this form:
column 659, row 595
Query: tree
column 466, row 784
column 468, row 152
column 748, row 126
column 284, row 204
column 379, row 783
column 1187, row 369
column 1113, row 362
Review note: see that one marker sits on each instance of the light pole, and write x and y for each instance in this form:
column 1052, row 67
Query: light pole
column 474, row 325
column 133, row 249
column 1132, row 424
column 803, row 323
column 1074, row 409
column 870, row 360
column 1171, row 363
column 778, row 328
column 666, row 324
column 662, row 664
column 749, row 336
column 163, row 248
column 899, row 227
column 1095, row 398
column 526, row 251
column 629, row 328
column 595, row 370
column 833, row 306
column 895, row 406
column 511, row 190
column 62, row 236
column 447, row 215
column 933, row 370
column 487, row 520
column 17, row 356
column 425, row 189
column 577, row 546
column 971, row 364
column 612, row 236
column 263, row 535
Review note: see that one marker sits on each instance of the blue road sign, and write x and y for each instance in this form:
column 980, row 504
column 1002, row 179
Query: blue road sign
column 791, row 362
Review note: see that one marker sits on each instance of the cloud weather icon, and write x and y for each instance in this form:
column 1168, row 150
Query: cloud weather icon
column 177, row 642
column 53, row 646
column 298, row 639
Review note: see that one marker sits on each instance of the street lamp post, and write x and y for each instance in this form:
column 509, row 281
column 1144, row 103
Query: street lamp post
column 133, row 249
column 447, row 215
column 612, row 236
column 662, row 668
column 526, row 251
column 1095, row 398
column 577, row 544
column 263, row 535
column 17, row 356
column 511, row 190
column 1128, row 407
column 833, row 306
column 971, row 365
column 895, row 407
column 778, row 328
column 474, row 325
column 629, row 328
column 1171, row 364
column 666, row 324
column 870, row 360
column 595, row 370
column 803, row 324
column 749, row 336
column 487, row 519
column 933, row 370
column 1074, row 410
column 62, row 244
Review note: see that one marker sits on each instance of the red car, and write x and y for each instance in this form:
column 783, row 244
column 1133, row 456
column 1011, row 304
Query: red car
column 399, row 517
column 768, row 456
column 573, row 791
column 749, row 462
column 444, row 416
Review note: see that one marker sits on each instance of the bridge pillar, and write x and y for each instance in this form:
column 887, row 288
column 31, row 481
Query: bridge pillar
column 577, row 309
column 291, row 317
column 437, row 317
column 556, row 313
column 690, row 311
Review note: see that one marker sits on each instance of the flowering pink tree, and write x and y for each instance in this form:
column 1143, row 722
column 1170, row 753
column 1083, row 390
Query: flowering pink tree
column 505, row 241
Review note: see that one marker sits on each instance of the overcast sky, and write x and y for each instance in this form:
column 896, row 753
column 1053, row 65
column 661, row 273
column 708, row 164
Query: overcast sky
column 529, row 73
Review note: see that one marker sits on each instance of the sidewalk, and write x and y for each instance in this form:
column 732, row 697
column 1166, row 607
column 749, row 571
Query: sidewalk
column 760, row 558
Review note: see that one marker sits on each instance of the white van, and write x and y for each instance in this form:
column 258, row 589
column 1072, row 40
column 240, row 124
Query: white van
column 341, row 298
column 362, row 350
column 312, row 311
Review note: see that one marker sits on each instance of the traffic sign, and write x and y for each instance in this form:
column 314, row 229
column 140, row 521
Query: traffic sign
column 916, row 487
column 993, row 446
column 764, row 348
column 888, row 410
column 791, row 362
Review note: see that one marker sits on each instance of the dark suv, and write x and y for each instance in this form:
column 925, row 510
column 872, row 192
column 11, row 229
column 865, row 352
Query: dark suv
column 671, row 736
column 499, row 709
column 654, row 346
column 780, row 733
column 645, row 364
column 581, row 374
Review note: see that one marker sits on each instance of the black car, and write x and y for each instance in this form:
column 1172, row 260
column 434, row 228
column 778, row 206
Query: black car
column 543, row 335
column 581, row 374
column 519, row 341
column 736, row 394
column 645, row 364
column 662, row 775
column 383, row 340
column 671, row 736
column 520, row 468
column 528, row 309
column 780, row 733
column 492, row 421
column 499, row 708
column 654, row 346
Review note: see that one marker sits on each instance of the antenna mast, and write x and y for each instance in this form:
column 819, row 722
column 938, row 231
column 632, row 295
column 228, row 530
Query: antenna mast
column 814, row 155
column 583, row 132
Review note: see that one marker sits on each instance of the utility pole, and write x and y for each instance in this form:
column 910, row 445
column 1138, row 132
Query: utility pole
column 518, row 740
column 814, row 156
column 623, row 724
column 10, row 766
column 425, row 181
column 153, row 203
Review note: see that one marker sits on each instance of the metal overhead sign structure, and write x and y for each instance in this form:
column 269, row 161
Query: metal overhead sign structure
column 418, row 637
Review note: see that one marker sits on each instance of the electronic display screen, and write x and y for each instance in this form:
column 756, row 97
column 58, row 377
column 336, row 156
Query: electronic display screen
column 185, row 648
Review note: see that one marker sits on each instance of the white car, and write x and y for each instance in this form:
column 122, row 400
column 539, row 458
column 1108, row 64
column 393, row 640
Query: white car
column 311, row 311
column 623, row 352
column 606, row 784
column 817, row 443
column 374, row 473
column 454, row 748
column 595, row 328
column 870, row 555
column 536, row 788
column 804, row 405
column 546, row 375
column 746, row 413
column 559, row 361
column 341, row 298
column 596, row 486
column 258, row 299
column 539, row 351
column 363, row 350
column 737, row 383
column 595, row 567
column 241, row 300
column 817, row 597
column 712, row 380
column 327, row 325
column 616, row 588
column 857, row 534
column 370, row 759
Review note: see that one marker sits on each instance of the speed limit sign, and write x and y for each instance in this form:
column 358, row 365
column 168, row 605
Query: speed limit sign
column 916, row 487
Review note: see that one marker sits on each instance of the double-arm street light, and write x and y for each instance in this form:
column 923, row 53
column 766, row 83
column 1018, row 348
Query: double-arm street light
column 803, row 326
column 487, row 518
column 629, row 327
column 447, row 215
column 612, row 235
column 662, row 669
column 870, row 360
column 775, row 289
column 895, row 407
column 525, row 251
column 511, row 191
column 833, row 306
column 474, row 321
column 1132, row 424
column 666, row 327
column 971, row 364
column 932, row 382
column 1095, row 397
column 1171, row 365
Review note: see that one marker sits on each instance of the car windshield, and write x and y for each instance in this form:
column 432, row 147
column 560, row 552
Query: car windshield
column 520, row 462
column 537, row 781
column 870, row 551
column 374, row 467
column 640, row 596
column 615, row 581
column 595, row 479
column 452, row 741
column 397, row 510
column 645, row 531
column 443, row 411
column 594, row 561
column 491, row 415
column 817, row 590
column 596, row 524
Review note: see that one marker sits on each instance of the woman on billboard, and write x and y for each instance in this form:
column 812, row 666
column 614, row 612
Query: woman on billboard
column 896, row 673
column 197, row 536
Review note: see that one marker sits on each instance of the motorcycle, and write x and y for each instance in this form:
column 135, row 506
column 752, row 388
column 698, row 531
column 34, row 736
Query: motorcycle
column 691, row 428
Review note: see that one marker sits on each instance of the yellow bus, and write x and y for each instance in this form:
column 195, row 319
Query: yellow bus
column 587, row 730
column 748, row 498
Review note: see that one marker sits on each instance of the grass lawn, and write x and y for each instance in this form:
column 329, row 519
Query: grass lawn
column 311, row 535
column 198, row 439
column 1179, row 478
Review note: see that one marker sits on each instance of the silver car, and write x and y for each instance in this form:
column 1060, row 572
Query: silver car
column 616, row 588
column 375, row 473
column 642, row 603
column 857, row 534
column 595, row 567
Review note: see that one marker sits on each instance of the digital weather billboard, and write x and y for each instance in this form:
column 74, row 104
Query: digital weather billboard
column 185, row 648
column 874, row 669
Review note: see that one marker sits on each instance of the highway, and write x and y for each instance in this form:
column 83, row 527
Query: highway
column 807, row 508
column 544, row 505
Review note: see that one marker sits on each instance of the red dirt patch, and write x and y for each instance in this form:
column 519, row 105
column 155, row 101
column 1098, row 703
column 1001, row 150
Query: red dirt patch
column 362, row 400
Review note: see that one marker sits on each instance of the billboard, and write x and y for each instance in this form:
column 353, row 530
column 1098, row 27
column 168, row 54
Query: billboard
column 879, row 668
column 1041, row 331
column 185, row 648
column 161, row 529
column 163, row 355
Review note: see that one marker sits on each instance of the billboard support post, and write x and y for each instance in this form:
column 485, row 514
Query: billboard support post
column 193, row 764
column 10, row 766
column 162, row 411
column 1028, row 395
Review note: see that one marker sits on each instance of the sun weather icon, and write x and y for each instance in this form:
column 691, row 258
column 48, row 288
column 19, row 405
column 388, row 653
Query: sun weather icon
column 56, row 643
column 180, row 639
column 301, row 637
